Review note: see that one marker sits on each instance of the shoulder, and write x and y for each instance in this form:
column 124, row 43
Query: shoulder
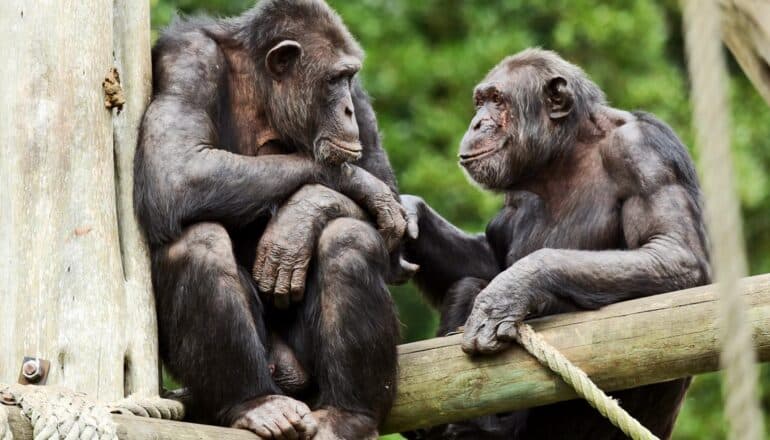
column 645, row 154
column 187, row 52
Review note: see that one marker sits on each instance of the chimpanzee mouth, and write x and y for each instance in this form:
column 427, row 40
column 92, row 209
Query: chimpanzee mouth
column 339, row 150
column 476, row 155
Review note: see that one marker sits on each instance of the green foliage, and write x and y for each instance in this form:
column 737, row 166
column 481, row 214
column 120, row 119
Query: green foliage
column 424, row 57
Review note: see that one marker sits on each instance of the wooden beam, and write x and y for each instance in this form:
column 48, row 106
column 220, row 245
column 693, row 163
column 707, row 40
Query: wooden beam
column 746, row 32
column 621, row 346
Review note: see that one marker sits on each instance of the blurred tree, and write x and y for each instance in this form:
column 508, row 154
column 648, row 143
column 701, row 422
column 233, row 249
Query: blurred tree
column 423, row 59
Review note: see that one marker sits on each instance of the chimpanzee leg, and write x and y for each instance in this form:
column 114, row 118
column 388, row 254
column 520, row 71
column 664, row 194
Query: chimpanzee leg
column 350, row 329
column 212, row 336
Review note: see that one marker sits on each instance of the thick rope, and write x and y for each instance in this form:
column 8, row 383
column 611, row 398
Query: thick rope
column 710, row 116
column 153, row 407
column 550, row 357
column 59, row 413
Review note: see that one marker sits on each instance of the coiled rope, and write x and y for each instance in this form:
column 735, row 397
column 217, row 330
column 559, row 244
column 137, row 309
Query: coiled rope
column 59, row 413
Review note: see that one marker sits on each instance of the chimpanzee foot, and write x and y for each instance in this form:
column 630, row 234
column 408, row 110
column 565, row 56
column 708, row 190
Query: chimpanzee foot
column 277, row 418
column 336, row 424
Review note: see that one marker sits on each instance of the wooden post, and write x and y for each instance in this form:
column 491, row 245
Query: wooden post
column 74, row 282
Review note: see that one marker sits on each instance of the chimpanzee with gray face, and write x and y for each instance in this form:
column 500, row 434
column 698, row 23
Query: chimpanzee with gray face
column 257, row 133
column 601, row 206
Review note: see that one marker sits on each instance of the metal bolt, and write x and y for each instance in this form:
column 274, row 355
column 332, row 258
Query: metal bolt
column 32, row 371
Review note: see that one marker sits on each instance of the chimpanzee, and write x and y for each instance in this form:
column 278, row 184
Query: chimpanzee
column 601, row 205
column 257, row 129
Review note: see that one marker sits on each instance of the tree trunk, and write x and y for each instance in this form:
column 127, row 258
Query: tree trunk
column 74, row 277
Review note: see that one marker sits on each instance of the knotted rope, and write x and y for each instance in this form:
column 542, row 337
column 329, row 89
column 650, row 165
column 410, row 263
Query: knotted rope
column 711, row 120
column 60, row 413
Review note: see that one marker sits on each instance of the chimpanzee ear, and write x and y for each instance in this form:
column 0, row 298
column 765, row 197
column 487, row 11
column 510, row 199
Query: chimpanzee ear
column 558, row 97
column 282, row 58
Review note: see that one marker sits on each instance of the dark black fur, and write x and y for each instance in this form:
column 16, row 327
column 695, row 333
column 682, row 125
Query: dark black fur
column 204, row 193
column 613, row 212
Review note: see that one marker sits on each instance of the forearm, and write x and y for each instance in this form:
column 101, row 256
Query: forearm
column 592, row 279
column 446, row 254
column 319, row 205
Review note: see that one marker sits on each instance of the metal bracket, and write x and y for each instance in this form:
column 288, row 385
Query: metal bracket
column 34, row 371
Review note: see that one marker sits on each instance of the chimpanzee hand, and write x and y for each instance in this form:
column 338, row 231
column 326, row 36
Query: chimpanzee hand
column 287, row 245
column 284, row 252
column 505, row 302
column 380, row 201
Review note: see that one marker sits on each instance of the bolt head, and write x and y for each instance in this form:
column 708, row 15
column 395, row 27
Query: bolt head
column 31, row 370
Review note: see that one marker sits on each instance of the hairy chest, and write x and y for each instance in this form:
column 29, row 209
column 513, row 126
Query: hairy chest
column 586, row 216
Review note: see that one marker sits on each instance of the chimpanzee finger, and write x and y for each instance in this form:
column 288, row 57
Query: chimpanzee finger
column 297, row 289
column 287, row 429
column 310, row 424
column 283, row 281
column 281, row 293
column 507, row 331
column 267, row 280
column 259, row 263
column 412, row 228
column 273, row 427
column 487, row 341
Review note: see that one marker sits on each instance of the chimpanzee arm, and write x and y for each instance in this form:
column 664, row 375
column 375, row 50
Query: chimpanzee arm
column 286, row 247
column 664, row 232
column 181, row 173
column 444, row 253
column 182, row 176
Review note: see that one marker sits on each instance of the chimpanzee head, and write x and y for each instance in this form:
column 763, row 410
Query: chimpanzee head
column 528, row 111
column 308, row 60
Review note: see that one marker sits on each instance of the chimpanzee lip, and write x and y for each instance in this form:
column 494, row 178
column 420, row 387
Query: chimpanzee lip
column 347, row 146
column 467, row 158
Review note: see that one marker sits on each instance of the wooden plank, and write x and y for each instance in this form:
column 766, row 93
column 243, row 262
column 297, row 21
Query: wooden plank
column 634, row 343
column 621, row 346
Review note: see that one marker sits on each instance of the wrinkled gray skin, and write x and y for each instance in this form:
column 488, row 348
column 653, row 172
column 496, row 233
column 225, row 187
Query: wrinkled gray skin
column 289, row 241
column 601, row 206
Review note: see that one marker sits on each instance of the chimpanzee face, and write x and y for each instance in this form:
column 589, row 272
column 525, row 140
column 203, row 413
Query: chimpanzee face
column 508, row 138
column 318, row 86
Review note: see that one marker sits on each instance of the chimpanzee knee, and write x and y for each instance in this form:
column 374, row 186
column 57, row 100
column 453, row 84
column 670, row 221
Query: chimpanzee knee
column 351, row 239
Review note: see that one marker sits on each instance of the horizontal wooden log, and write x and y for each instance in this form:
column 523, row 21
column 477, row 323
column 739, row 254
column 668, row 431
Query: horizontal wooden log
column 621, row 346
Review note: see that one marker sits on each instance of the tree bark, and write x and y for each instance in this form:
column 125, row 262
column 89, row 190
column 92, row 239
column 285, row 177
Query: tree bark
column 74, row 277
